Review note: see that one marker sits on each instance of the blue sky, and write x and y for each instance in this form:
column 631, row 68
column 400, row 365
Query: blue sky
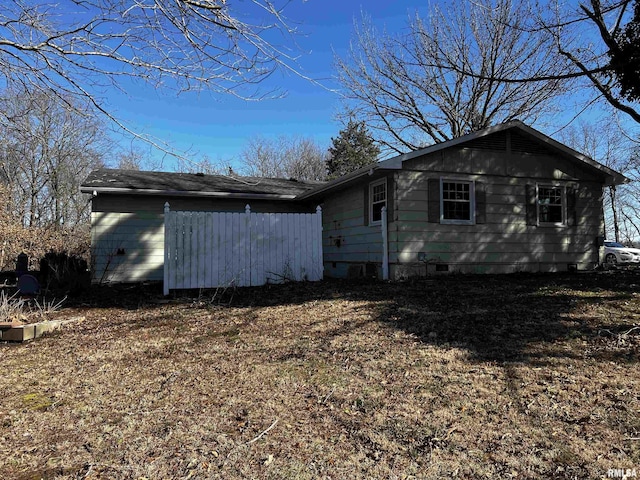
column 219, row 125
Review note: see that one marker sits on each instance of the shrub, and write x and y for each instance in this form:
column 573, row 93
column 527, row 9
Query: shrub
column 60, row 271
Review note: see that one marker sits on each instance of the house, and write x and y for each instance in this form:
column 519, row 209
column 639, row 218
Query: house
column 504, row 199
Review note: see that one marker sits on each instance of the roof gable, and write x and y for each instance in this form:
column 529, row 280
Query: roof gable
column 515, row 139
column 523, row 139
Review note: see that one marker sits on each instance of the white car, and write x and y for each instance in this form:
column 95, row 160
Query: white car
column 615, row 254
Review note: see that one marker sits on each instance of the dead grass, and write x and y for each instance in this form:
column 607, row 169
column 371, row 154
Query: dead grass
column 19, row 310
column 470, row 377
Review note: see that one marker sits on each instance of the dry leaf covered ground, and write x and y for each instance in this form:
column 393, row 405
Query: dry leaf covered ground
column 476, row 377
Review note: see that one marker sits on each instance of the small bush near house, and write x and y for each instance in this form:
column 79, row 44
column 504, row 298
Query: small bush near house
column 61, row 272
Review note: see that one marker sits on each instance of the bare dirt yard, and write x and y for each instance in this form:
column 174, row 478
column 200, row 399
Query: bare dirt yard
column 517, row 376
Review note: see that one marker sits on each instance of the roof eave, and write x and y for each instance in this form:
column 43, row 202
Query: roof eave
column 617, row 179
column 391, row 164
column 185, row 193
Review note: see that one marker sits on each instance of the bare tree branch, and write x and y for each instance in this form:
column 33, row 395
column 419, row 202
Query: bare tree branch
column 605, row 141
column 605, row 90
column 79, row 49
column 587, row 51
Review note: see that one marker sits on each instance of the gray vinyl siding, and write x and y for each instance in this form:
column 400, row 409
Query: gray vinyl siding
column 346, row 239
column 127, row 246
column 127, row 232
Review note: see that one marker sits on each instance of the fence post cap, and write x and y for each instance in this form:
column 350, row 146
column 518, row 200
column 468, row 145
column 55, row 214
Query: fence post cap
column 166, row 207
column 247, row 208
column 318, row 209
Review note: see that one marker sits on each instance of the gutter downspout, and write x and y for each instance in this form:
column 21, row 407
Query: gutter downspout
column 385, row 245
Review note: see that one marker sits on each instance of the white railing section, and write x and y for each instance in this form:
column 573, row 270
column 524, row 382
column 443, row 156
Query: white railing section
column 222, row 249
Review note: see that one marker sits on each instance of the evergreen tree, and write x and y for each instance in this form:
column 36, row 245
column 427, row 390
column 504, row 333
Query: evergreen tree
column 352, row 149
column 624, row 51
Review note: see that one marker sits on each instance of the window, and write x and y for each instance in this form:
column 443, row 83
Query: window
column 614, row 245
column 377, row 200
column 550, row 205
column 457, row 202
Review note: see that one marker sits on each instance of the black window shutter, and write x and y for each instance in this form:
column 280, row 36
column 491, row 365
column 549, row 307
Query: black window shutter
column 571, row 207
column 366, row 204
column 530, row 200
column 434, row 200
column 481, row 202
column 390, row 190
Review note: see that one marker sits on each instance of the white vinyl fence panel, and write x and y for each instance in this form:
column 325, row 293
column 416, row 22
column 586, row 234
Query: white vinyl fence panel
column 220, row 249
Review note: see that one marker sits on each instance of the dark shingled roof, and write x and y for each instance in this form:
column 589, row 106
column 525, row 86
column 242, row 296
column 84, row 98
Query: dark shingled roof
column 134, row 181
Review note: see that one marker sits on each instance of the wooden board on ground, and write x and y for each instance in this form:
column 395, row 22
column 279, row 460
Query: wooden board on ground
column 21, row 333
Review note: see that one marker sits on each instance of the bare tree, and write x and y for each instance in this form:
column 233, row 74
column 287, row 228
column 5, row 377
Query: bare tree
column 205, row 165
column 286, row 157
column 77, row 49
column 628, row 197
column 135, row 157
column 131, row 159
column 606, row 142
column 413, row 89
column 46, row 150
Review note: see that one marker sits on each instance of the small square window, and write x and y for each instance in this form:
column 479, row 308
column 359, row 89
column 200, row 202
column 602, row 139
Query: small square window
column 377, row 200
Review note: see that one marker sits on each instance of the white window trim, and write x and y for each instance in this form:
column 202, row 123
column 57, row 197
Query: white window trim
column 386, row 199
column 472, row 201
column 564, row 205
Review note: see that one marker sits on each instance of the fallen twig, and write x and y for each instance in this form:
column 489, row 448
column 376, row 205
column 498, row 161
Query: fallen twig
column 263, row 433
column 620, row 337
column 324, row 400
